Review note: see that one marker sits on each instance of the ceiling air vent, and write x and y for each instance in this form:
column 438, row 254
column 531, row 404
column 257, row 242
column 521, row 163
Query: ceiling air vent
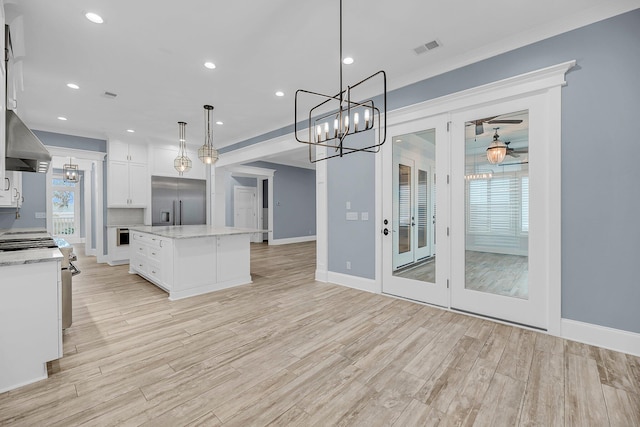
column 426, row 47
column 110, row 95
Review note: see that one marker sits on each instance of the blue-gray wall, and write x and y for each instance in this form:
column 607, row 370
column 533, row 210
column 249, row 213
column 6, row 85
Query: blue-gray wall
column 294, row 200
column 35, row 196
column 34, row 185
column 231, row 183
column 600, row 203
column 352, row 179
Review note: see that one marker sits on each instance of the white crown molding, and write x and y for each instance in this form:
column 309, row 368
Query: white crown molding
column 76, row 153
column 600, row 12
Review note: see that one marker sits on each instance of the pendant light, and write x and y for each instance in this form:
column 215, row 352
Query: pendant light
column 349, row 111
column 497, row 150
column 70, row 172
column 207, row 153
column 182, row 163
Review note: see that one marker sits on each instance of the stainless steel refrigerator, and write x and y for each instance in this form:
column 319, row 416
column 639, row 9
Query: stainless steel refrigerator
column 178, row 201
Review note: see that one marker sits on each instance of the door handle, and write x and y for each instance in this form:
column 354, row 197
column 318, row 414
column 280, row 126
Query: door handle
column 385, row 231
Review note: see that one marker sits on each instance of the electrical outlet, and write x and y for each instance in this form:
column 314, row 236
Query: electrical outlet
column 348, row 265
column 352, row 216
column 364, row 216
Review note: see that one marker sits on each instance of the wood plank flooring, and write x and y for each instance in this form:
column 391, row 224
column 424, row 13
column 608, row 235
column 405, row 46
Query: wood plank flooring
column 287, row 350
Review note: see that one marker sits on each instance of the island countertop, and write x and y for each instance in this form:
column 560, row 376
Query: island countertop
column 192, row 231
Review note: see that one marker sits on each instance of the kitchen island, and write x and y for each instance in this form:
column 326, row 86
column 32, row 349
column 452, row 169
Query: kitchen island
column 30, row 308
column 190, row 260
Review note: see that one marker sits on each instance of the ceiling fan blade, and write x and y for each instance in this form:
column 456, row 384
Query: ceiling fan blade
column 505, row 121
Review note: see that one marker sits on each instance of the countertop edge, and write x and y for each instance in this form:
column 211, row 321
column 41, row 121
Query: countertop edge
column 180, row 232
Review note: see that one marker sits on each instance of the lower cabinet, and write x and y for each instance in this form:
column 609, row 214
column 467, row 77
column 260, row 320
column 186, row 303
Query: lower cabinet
column 31, row 315
column 151, row 257
column 191, row 266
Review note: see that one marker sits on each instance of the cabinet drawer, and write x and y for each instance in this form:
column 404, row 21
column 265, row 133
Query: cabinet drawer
column 138, row 264
column 154, row 272
column 154, row 254
column 139, row 249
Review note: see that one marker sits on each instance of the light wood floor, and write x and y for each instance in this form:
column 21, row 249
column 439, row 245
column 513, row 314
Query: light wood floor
column 287, row 350
column 498, row 274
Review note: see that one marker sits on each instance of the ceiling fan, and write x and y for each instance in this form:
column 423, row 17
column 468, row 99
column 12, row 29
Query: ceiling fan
column 479, row 124
column 512, row 151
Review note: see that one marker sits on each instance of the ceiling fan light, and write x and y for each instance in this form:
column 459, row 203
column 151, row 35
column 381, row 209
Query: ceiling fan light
column 496, row 152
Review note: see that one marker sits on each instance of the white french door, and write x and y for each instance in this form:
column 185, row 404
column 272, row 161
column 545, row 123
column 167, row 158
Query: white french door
column 499, row 266
column 415, row 248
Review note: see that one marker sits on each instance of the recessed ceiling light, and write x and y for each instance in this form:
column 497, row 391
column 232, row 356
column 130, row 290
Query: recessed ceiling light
column 94, row 17
column 210, row 65
column 130, row 130
column 348, row 60
column 73, row 86
column 219, row 122
column 279, row 93
column 62, row 118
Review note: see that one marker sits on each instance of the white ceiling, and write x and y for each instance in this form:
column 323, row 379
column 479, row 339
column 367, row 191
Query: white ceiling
column 151, row 54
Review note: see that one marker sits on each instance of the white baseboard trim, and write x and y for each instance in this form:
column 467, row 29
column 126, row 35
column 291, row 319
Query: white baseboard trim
column 292, row 240
column 322, row 276
column 601, row 336
column 113, row 263
column 355, row 282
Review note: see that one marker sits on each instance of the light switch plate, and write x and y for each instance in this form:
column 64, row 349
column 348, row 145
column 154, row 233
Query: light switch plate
column 41, row 215
column 364, row 216
column 348, row 205
column 352, row 216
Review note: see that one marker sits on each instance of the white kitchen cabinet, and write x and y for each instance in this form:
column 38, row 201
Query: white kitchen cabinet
column 202, row 259
column 128, row 184
column 3, row 112
column 127, row 152
column 30, row 310
column 151, row 257
column 162, row 163
column 11, row 190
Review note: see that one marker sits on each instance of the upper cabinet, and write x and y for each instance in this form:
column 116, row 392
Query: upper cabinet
column 3, row 147
column 128, row 184
column 11, row 190
column 162, row 163
column 127, row 152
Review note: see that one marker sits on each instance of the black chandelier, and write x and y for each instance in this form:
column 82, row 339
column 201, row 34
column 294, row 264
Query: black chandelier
column 347, row 114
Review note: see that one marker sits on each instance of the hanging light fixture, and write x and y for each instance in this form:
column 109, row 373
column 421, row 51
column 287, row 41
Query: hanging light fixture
column 347, row 114
column 207, row 153
column 182, row 163
column 70, row 172
column 497, row 149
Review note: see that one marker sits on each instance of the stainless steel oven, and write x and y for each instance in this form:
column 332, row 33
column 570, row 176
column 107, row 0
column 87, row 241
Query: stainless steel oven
column 122, row 236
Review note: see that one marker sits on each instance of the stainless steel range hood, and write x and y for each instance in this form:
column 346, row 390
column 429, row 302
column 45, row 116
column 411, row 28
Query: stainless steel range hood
column 25, row 152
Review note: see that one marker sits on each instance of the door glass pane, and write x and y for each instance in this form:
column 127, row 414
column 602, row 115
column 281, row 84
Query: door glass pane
column 497, row 204
column 64, row 201
column 423, row 197
column 414, row 226
column 404, row 209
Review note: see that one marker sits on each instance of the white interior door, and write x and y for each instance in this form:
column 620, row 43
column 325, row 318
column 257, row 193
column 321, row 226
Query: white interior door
column 244, row 207
column 414, row 171
column 499, row 212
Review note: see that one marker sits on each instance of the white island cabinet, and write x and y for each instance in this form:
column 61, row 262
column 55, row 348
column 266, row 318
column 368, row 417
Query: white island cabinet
column 30, row 315
column 191, row 260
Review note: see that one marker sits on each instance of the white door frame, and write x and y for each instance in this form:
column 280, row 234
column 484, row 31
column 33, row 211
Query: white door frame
column 546, row 81
column 430, row 293
column 237, row 189
column 93, row 189
column 542, row 145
